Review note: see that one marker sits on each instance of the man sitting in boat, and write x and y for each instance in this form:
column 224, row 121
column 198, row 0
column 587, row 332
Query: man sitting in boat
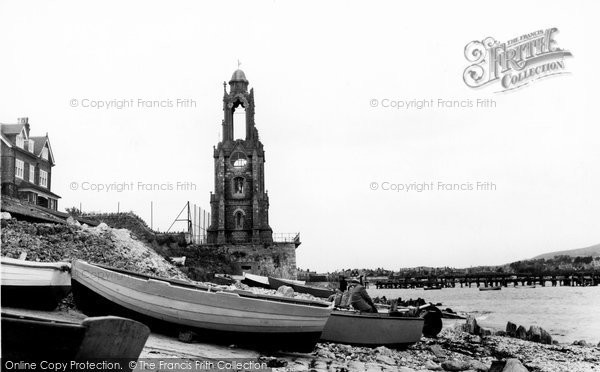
column 345, row 300
column 360, row 299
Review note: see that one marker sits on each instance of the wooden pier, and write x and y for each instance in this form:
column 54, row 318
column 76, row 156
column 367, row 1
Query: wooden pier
column 572, row 278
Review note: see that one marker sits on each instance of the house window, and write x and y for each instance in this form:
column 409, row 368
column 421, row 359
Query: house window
column 43, row 178
column 30, row 146
column 31, row 173
column 20, row 141
column 45, row 153
column 19, row 168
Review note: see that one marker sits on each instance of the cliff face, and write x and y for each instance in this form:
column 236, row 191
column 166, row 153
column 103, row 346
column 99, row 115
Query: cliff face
column 47, row 242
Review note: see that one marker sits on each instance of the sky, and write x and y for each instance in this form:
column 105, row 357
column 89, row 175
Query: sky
column 324, row 76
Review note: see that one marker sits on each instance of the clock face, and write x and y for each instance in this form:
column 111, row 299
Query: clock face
column 230, row 105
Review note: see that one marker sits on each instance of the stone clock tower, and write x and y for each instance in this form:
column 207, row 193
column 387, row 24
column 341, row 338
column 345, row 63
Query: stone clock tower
column 239, row 204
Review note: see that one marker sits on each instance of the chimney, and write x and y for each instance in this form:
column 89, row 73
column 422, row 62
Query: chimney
column 26, row 122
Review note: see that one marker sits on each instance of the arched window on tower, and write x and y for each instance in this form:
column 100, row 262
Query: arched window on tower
column 239, row 123
column 238, row 186
column 239, row 220
column 238, row 160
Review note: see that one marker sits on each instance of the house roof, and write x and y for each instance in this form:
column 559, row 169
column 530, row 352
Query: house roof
column 38, row 145
column 29, row 211
column 10, row 129
column 39, row 141
column 5, row 140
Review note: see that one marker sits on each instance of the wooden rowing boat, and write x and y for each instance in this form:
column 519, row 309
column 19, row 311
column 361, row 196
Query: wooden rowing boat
column 27, row 337
column 301, row 288
column 237, row 316
column 369, row 329
column 36, row 285
column 258, row 281
column 497, row 288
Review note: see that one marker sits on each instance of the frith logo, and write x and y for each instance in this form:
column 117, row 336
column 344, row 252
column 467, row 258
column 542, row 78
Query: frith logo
column 516, row 62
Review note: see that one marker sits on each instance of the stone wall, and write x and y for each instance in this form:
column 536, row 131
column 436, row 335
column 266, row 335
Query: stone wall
column 275, row 259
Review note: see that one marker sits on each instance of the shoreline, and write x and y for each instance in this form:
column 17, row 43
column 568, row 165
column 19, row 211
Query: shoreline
column 565, row 312
column 454, row 349
column 451, row 350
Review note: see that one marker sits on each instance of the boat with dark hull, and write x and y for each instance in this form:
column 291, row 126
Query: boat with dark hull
column 497, row 288
column 320, row 292
column 227, row 316
column 34, row 285
column 28, row 337
column 370, row 329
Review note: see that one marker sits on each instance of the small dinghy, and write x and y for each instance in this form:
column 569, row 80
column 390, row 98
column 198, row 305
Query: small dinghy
column 258, row 281
column 372, row 329
column 320, row 292
column 30, row 337
column 497, row 288
column 34, row 285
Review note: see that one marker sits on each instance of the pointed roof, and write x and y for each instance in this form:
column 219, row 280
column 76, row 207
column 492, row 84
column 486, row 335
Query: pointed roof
column 39, row 144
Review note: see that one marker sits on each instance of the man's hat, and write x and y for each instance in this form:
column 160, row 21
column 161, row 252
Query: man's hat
column 354, row 280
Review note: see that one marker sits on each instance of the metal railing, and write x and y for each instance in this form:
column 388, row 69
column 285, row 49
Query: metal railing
column 286, row 237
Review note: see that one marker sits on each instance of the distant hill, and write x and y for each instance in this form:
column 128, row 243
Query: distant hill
column 593, row 251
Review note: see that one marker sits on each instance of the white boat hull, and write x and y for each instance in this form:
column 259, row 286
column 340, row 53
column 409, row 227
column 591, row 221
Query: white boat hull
column 197, row 308
column 34, row 284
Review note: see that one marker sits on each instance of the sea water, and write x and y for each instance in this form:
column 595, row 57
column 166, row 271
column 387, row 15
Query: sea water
column 567, row 313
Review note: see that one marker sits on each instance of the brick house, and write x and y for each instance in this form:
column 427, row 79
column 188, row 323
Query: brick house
column 26, row 165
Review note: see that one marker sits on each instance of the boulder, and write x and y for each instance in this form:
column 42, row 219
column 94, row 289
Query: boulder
column 538, row 334
column 432, row 366
column 508, row 365
column 5, row 216
column 484, row 332
column 534, row 333
column 285, row 291
column 501, row 333
column 476, row 339
column 476, row 365
column 385, row 359
column 437, row 351
column 455, row 365
column 511, row 329
column 580, row 343
column 521, row 333
column 72, row 221
column 546, row 338
column 405, row 369
column 383, row 350
column 471, row 325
